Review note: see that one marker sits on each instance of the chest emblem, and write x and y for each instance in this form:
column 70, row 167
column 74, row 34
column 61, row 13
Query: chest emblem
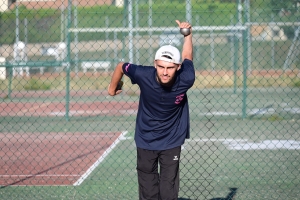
column 179, row 98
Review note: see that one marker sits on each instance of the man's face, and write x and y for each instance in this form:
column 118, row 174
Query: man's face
column 165, row 72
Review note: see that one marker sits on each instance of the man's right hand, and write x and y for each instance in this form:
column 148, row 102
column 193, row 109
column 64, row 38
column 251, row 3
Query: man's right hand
column 118, row 90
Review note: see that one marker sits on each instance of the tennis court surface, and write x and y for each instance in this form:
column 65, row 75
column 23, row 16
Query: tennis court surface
column 62, row 158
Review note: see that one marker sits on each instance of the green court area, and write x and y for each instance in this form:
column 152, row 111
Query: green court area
column 281, row 103
column 257, row 155
column 210, row 165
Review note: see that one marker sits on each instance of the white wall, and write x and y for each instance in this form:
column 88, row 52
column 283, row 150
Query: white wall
column 3, row 5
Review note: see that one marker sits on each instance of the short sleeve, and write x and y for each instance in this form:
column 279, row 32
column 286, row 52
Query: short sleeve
column 129, row 70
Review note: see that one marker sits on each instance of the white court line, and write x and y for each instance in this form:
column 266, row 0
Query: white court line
column 292, row 110
column 33, row 175
column 218, row 113
column 102, row 157
column 216, row 140
column 254, row 111
column 244, row 144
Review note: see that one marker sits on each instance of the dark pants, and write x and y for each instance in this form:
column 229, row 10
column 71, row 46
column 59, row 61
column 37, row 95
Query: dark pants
column 162, row 185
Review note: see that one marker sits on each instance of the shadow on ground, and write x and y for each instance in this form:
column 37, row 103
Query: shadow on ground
column 230, row 196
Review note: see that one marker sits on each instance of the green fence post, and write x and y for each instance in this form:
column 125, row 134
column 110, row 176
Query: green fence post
column 9, row 81
column 125, row 17
column 235, row 61
column 68, row 59
column 245, row 68
column 246, row 55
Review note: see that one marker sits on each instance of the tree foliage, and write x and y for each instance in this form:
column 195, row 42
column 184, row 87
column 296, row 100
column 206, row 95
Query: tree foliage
column 289, row 6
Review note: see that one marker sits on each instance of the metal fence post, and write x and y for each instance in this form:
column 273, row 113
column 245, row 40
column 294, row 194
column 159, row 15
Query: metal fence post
column 245, row 68
column 68, row 59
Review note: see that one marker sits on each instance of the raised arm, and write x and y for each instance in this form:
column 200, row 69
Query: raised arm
column 187, row 48
column 115, row 80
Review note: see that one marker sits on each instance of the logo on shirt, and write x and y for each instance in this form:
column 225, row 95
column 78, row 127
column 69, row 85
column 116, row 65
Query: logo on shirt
column 126, row 68
column 175, row 158
column 179, row 98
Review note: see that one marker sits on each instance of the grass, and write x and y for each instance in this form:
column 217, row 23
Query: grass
column 35, row 84
column 100, row 82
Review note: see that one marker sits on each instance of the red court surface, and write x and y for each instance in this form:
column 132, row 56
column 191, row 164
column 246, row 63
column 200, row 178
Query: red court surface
column 52, row 109
column 52, row 158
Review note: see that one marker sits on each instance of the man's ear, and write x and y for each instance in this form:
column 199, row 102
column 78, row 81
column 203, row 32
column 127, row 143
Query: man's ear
column 154, row 63
column 179, row 66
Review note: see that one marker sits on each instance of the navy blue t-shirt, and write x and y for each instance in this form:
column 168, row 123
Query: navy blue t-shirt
column 163, row 116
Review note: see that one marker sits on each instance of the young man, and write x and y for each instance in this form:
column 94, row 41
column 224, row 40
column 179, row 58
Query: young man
column 162, row 122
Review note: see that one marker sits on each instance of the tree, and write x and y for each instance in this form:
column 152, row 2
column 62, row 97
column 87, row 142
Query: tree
column 286, row 6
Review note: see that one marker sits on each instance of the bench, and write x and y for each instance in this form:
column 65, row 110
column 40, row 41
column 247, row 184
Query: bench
column 95, row 65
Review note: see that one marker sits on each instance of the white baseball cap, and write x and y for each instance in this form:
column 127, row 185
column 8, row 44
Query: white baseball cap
column 168, row 53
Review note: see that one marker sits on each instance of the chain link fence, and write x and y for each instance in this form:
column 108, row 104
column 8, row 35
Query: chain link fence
column 63, row 137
